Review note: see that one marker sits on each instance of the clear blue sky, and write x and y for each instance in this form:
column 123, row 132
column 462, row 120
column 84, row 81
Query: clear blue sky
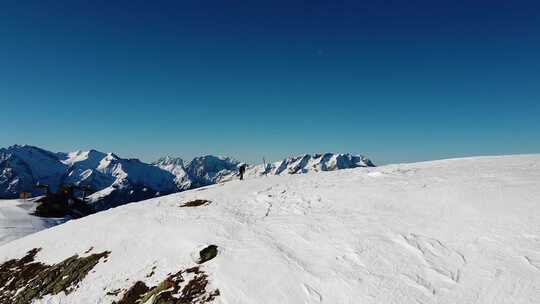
column 396, row 80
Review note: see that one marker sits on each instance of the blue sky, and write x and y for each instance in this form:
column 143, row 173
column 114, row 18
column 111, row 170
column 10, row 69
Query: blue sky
column 399, row 81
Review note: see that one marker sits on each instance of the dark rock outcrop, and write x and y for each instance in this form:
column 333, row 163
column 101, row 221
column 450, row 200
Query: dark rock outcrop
column 24, row 280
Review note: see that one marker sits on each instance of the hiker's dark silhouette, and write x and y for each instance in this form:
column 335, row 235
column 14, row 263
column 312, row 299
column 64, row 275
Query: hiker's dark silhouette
column 241, row 171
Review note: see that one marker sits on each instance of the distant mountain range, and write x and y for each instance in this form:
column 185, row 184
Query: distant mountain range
column 117, row 180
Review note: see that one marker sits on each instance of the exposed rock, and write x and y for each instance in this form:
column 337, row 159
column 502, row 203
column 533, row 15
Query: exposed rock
column 208, row 253
column 114, row 292
column 24, row 280
column 152, row 272
column 184, row 287
column 197, row 203
column 134, row 293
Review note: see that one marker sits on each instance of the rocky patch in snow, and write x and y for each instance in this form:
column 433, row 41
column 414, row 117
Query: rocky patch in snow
column 197, row 203
column 24, row 280
column 184, row 287
column 207, row 253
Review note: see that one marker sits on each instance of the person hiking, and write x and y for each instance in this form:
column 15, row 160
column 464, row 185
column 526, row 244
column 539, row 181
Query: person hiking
column 242, row 170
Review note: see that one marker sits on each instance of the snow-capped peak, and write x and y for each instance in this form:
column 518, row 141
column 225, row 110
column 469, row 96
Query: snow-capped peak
column 310, row 163
column 115, row 179
column 91, row 157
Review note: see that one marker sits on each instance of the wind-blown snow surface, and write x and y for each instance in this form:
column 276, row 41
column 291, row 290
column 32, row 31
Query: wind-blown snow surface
column 451, row 231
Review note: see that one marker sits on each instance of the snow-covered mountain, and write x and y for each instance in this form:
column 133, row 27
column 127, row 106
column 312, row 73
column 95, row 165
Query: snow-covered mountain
column 208, row 170
column 175, row 166
column 117, row 180
column 310, row 163
column 113, row 178
column 450, row 231
column 21, row 167
column 201, row 171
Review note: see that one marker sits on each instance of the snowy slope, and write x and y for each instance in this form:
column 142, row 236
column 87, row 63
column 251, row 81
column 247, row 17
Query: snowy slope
column 451, row 231
column 118, row 180
column 16, row 220
column 21, row 167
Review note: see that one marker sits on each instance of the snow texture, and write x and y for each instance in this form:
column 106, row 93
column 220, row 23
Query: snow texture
column 450, row 231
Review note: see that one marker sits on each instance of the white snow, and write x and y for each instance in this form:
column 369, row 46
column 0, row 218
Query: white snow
column 450, row 231
column 16, row 220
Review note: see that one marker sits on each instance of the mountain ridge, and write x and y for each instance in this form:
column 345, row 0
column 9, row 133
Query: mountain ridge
column 117, row 180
